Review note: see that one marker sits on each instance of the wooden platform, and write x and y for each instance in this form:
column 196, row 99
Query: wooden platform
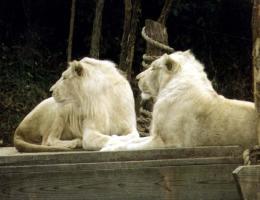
column 248, row 179
column 190, row 174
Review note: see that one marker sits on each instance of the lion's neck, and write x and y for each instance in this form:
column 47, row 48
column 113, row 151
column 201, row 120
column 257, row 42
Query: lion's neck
column 185, row 81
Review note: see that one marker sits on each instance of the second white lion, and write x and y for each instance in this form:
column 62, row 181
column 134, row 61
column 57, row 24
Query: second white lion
column 187, row 111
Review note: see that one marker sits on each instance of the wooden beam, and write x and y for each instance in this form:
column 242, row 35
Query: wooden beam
column 189, row 173
column 248, row 179
column 9, row 156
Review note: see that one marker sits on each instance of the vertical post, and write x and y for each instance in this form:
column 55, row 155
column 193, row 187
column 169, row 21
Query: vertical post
column 96, row 31
column 256, row 57
column 72, row 18
column 156, row 31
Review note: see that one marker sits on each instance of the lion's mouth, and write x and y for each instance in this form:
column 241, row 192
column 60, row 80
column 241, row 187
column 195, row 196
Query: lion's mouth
column 146, row 96
column 62, row 100
column 145, row 93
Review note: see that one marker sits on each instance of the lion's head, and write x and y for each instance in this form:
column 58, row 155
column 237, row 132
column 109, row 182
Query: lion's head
column 66, row 89
column 157, row 75
column 181, row 64
column 82, row 80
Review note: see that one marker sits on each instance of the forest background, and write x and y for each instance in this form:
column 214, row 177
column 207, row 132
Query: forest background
column 34, row 40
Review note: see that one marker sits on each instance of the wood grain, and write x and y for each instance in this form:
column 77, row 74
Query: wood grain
column 190, row 173
column 248, row 178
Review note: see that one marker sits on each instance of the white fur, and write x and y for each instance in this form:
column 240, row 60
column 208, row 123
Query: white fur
column 91, row 102
column 187, row 111
column 111, row 101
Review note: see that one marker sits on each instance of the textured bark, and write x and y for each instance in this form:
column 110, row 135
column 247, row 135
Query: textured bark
column 96, row 31
column 158, row 32
column 72, row 18
column 256, row 58
column 132, row 13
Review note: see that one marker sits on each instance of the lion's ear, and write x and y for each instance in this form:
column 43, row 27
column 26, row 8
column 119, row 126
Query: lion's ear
column 79, row 69
column 171, row 64
column 188, row 52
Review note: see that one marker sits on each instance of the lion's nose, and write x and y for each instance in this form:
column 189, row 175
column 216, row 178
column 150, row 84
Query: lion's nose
column 52, row 88
column 139, row 76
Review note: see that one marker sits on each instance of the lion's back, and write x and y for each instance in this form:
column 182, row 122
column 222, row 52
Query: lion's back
column 43, row 112
column 122, row 105
column 226, row 122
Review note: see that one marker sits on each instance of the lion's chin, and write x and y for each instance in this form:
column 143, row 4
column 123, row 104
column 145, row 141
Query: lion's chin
column 145, row 96
column 62, row 100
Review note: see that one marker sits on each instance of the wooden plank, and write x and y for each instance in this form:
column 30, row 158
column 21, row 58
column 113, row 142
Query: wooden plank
column 248, row 178
column 188, row 173
column 170, row 182
column 118, row 165
column 9, row 156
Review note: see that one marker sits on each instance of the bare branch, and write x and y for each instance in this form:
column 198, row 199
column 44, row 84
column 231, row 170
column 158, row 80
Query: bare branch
column 165, row 11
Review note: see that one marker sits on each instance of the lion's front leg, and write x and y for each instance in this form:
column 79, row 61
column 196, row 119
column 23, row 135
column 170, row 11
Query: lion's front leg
column 93, row 140
column 53, row 138
column 134, row 135
column 69, row 144
column 141, row 143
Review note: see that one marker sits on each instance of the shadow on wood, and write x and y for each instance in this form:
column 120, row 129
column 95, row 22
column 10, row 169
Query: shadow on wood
column 188, row 173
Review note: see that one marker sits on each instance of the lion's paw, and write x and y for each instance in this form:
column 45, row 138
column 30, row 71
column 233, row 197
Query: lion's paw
column 114, row 144
column 73, row 144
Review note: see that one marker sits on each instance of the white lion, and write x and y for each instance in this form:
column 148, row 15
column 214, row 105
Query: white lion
column 91, row 101
column 187, row 111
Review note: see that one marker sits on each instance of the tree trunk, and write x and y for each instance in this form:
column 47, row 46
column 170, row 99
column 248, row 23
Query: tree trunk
column 157, row 31
column 256, row 57
column 72, row 18
column 132, row 13
column 165, row 11
column 96, row 31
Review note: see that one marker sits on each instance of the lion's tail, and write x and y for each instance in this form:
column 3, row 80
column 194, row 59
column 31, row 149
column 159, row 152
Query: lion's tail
column 23, row 146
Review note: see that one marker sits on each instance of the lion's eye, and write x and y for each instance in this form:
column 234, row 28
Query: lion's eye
column 64, row 78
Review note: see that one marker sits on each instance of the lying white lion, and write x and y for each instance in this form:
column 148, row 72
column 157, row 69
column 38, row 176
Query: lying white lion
column 91, row 101
column 187, row 111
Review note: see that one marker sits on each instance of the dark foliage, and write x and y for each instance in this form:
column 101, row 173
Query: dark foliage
column 33, row 42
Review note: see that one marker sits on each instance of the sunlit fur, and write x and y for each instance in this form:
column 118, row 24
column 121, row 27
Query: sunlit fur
column 188, row 112
column 91, row 101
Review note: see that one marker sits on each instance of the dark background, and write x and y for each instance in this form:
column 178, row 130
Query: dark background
column 33, row 43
